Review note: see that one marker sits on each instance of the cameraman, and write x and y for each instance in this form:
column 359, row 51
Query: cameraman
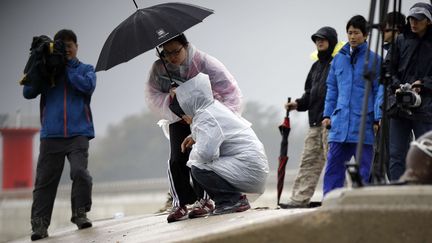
column 410, row 61
column 67, row 127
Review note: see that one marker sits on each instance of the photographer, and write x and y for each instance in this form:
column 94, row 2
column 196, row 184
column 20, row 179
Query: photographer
column 410, row 96
column 67, row 127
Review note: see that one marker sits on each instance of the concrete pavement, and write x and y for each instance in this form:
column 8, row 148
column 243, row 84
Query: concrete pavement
column 393, row 214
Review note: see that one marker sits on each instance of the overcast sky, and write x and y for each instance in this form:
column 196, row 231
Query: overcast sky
column 265, row 44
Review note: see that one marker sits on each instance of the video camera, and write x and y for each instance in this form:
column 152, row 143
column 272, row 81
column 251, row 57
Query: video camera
column 47, row 60
column 406, row 97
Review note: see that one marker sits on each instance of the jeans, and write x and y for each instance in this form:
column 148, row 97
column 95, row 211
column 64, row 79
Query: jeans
column 222, row 192
column 399, row 139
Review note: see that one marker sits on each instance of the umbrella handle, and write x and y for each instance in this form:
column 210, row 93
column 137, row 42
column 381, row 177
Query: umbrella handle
column 173, row 84
column 287, row 112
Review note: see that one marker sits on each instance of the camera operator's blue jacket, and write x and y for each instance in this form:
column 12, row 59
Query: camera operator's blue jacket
column 345, row 92
column 65, row 106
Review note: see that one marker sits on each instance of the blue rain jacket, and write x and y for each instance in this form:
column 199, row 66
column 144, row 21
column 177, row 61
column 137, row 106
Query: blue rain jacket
column 345, row 92
column 65, row 107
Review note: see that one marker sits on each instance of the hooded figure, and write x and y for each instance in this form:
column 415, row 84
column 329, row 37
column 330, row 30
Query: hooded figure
column 183, row 62
column 224, row 142
column 312, row 100
column 315, row 85
column 329, row 34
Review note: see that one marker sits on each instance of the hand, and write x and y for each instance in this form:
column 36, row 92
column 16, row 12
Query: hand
column 187, row 119
column 291, row 106
column 417, row 89
column 172, row 92
column 326, row 123
column 376, row 126
column 187, row 143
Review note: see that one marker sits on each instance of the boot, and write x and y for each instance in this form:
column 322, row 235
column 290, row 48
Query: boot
column 39, row 228
column 79, row 217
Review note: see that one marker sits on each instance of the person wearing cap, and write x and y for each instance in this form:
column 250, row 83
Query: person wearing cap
column 419, row 161
column 312, row 100
column 410, row 62
column 343, row 105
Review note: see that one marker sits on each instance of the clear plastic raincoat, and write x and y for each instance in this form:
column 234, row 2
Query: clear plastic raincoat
column 224, row 142
column 223, row 84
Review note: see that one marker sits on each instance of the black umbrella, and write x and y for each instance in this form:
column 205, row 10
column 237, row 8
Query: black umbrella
column 284, row 129
column 146, row 29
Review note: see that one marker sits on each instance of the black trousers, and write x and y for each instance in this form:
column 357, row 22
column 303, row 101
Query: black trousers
column 221, row 191
column 179, row 173
column 50, row 165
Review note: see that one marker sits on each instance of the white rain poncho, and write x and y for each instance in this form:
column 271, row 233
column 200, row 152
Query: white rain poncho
column 223, row 84
column 224, row 142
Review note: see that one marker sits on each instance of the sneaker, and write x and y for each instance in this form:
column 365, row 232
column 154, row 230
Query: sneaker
column 240, row 206
column 79, row 217
column 293, row 204
column 178, row 214
column 201, row 208
column 39, row 229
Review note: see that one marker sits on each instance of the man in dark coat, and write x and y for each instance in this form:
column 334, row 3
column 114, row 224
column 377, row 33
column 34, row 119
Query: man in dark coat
column 410, row 63
column 315, row 148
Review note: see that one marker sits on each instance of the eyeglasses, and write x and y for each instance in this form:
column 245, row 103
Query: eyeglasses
column 173, row 53
column 424, row 145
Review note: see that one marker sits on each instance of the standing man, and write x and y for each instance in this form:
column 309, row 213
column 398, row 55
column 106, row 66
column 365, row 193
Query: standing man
column 343, row 105
column 67, row 127
column 315, row 147
column 410, row 63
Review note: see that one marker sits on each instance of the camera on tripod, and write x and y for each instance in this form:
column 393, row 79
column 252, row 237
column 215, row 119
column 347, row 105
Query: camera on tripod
column 406, row 97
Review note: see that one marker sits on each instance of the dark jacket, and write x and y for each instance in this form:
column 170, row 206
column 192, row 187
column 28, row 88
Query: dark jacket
column 411, row 61
column 65, row 107
column 315, row 91
column 315, row 87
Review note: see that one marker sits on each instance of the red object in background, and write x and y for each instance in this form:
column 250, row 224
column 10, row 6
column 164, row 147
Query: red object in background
column 18, row 157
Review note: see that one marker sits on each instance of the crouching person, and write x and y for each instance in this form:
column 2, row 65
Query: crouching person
column 227, row 158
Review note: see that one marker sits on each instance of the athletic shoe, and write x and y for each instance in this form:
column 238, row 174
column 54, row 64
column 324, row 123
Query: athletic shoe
column 201, row 208
column 240, row 206
column 177, row 214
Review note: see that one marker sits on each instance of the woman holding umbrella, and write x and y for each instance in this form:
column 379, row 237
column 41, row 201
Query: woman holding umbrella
column 183, row 62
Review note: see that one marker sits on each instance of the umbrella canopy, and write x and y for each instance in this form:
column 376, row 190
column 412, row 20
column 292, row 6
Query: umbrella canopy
column 284, row 129
column 146, row 29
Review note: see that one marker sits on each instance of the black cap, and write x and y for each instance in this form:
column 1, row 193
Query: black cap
column 327, row 33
